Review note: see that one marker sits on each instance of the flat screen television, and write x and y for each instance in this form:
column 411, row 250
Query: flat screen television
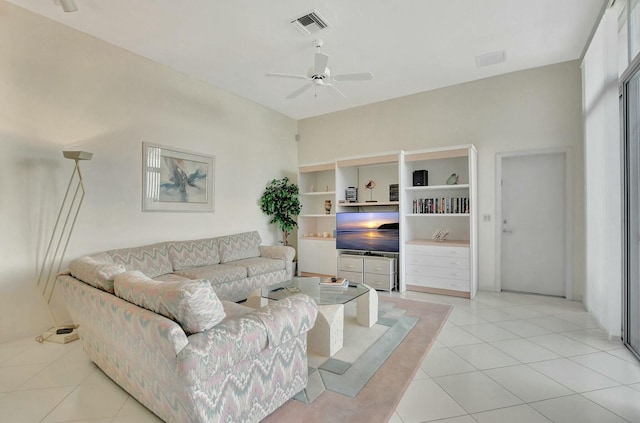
column 369, row 232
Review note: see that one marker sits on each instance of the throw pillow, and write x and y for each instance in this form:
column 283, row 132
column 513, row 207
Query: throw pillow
column 99, row 274
column 193, row 304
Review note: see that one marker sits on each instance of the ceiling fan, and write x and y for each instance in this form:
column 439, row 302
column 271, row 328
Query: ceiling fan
column 320, row 75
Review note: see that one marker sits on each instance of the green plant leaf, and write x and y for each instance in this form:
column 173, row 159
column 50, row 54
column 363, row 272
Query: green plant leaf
column 281, row 202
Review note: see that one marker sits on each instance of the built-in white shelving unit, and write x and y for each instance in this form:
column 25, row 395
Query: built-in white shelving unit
column 448, row 267
column 316, row 243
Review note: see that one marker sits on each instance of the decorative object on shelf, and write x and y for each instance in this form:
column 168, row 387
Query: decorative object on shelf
column 394, row 194
column 312, row 188
column 62, row 230
column 370, row 186
column 351, row 194
column 176, row 180
column 281, row 201
column 326, row 188
column 453, row 179
column 420, row 178
column 440, row 235
column 327, row 206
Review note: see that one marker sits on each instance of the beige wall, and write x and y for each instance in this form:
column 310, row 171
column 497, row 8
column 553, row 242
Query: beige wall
column 532, row 109
column 61, row 89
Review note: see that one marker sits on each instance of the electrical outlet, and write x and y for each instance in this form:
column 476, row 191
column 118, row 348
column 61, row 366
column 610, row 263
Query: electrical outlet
column 486, row 218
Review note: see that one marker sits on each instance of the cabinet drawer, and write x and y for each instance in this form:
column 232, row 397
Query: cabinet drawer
column 439, row 272
column 377, row 281
column 380, row 266
column 351, row 276
column 351, row 264
column 436, row 250
column 435, row 282
column 423, row 260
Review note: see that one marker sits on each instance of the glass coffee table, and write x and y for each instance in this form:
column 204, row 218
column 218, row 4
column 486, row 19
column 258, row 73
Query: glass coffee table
column 326, row 337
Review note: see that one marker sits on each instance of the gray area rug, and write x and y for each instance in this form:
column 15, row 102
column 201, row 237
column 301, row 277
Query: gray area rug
column 364, row 352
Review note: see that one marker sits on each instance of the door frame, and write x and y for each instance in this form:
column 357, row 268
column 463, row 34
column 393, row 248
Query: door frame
column 568, row 247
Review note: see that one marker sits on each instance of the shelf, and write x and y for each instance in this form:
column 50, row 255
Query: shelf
column 317, row 215
column 438, row 187
column 438, row 214
column 317, row 238
column 377, row 203
column 319, row 193
column 447, row 243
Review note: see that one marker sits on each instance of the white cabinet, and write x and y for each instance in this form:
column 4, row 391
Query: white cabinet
column 374, row 271
column 351, row 268
column 316, row 256
column 438, row 267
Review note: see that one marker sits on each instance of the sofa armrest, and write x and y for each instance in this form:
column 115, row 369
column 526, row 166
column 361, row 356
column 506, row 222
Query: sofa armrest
column 241, row 338
column 287, row 318
column 281, row 252
column 105, row 319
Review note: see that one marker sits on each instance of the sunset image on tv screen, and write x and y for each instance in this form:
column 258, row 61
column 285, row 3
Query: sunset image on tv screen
column 377, row 231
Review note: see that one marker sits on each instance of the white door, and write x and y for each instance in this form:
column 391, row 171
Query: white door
column 533, row 216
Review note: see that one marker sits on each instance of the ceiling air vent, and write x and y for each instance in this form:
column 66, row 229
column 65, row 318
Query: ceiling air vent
column 310, row 23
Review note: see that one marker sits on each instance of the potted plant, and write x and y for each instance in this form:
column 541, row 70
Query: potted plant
column 280, row 201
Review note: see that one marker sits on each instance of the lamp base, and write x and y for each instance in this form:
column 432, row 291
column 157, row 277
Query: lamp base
column 64, row 338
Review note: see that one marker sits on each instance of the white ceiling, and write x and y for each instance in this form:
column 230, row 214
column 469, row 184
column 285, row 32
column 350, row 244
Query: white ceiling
column 410, row 46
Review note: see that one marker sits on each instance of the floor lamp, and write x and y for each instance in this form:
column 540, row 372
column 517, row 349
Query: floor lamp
column 62, row 230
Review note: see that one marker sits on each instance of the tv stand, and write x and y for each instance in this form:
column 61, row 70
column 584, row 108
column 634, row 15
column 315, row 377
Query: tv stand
column 376, row 271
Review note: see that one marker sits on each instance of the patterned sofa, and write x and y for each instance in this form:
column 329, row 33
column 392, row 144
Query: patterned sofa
column 177, row 348
column 235, row 265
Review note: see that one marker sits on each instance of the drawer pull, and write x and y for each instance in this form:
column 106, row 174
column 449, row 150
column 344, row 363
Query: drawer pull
column 455, row 262
column 455, row 274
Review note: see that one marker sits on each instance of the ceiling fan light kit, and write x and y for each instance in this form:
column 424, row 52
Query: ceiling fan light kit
column 320, row 75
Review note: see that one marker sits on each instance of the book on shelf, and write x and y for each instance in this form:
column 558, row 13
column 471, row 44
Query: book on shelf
column 334, row 282
column 443, row 205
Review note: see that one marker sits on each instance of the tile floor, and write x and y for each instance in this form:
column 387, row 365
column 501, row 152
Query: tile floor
column 508, row 357
column 501, row 358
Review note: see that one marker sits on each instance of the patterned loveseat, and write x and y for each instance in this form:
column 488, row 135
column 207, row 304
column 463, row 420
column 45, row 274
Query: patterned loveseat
column 179, row 349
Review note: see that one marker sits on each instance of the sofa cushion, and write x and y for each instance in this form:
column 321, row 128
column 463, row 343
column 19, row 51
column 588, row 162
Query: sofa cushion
column 201, row 252
column 98, row 271
column 171, row 277
column 152, row 260
column 260, row 265
column 239, row 246
column 218, row 273
column 193, row 304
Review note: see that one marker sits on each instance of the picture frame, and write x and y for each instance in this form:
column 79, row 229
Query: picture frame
column 176, row 180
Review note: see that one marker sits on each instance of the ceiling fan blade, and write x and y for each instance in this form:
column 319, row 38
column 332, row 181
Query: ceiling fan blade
column 286, row 75
column 320, row 63
column 299, row 91
column 365, row 76
column 326, row 84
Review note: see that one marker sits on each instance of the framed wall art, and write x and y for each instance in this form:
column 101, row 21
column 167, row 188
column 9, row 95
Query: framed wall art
column 175, row 180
